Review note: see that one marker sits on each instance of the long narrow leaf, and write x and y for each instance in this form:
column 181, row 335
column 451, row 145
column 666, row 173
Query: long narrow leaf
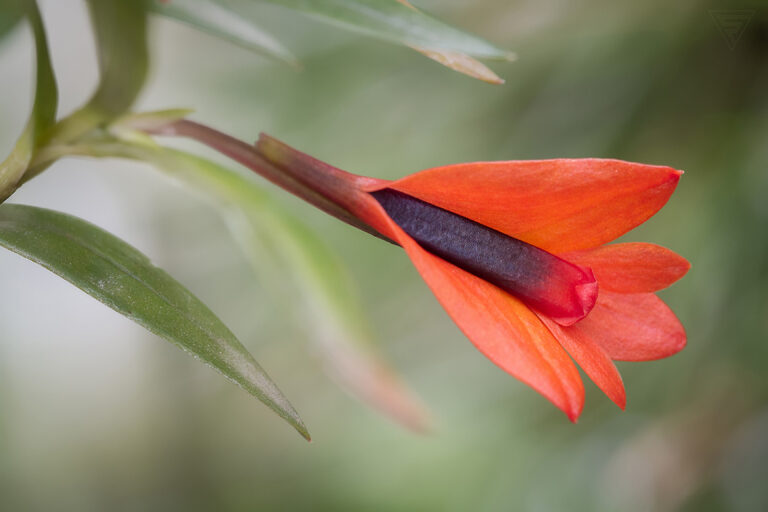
column 120, row 30
column 121, row 37
column 462, row 63
column 222, row 22
column 394, row 21
column 124, row 279
column 43, row 110
column 11, row 14
column 397, row 21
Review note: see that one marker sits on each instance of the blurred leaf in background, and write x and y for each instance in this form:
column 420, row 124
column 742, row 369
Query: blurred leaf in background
column 396, row 21
column 220, row 21
column 10, row 15
column 120, row 27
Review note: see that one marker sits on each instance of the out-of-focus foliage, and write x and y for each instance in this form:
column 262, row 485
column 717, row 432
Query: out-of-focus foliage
column 120, row 27
column 220, row 21
column 393, row 20
column 10, row 15
column 396, row 21
column 653, row 82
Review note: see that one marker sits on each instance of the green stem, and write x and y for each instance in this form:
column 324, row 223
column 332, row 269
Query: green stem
column 68, row 131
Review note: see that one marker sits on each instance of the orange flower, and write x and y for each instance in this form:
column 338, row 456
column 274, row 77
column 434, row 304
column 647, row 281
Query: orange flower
column 514, row 251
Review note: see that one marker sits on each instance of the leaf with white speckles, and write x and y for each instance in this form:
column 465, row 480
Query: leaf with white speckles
column 124, row 279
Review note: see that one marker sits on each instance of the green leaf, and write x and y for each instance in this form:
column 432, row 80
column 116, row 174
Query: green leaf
column 266, row 230
column 120, row 28
column 218, row 20
column 43, row 111
column 462, row 63
column 11, row 14
column 394, row 21
column 124, row 279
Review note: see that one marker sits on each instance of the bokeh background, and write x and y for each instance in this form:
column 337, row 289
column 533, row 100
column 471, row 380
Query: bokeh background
column 97, row 414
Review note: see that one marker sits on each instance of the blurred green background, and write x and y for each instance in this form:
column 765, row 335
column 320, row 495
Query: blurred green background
column 96, row 414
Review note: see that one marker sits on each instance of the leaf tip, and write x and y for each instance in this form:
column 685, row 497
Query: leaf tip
column 302, row 429
column 462, row 63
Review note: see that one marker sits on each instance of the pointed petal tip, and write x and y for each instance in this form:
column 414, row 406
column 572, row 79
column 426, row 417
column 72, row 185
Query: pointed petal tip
column 675, row 174
column 632, row 267
column 672, row 171
column 634, row 327
column 678, row 340
column 558, row 205
column 576, row 407
column 685, row 266
column 592, row 359
column 681, row 341
column 672, row 178
column 617, row 395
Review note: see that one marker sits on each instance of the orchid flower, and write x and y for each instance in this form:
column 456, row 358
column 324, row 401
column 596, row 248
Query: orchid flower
column 515, row 252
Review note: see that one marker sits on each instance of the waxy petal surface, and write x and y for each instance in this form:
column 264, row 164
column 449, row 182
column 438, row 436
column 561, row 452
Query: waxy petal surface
column 634, row 327
column 558, row 205
column 498, row 324
column 551, row 285
column 632, row 267
column 592, row 359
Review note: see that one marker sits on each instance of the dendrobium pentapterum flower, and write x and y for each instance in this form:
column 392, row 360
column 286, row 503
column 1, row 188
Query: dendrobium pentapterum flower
column 515, row 252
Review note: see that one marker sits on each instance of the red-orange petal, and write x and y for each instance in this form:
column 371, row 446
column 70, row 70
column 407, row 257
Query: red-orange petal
column 561, row 290
column 592, row 359
column 632, row 267
column 634, row 327
column 498, row 324
column 558, row 205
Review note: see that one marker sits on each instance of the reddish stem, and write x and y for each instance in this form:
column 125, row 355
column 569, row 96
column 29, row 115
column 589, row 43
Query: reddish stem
column 332, row 190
